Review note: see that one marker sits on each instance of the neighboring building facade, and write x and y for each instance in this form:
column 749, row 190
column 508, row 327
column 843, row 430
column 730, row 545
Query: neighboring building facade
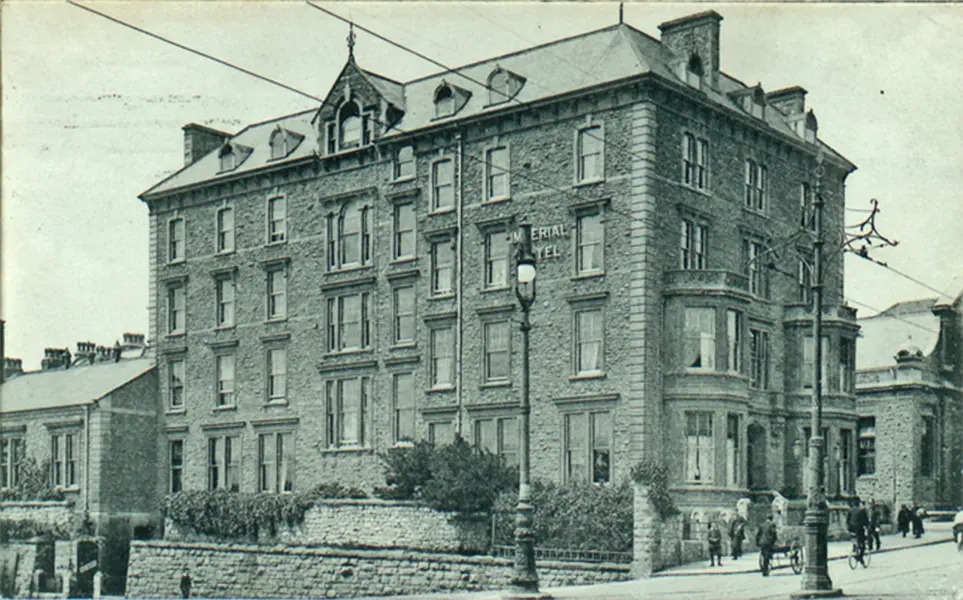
column 92, row 420
column 909, row 384
column 329, row 283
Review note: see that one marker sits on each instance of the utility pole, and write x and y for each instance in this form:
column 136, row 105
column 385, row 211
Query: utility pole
column 816, row 582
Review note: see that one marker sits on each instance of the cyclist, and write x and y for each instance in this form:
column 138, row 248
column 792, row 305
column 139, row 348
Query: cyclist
column 857, row 520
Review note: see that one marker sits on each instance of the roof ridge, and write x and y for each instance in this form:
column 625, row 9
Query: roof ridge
column 515, row 53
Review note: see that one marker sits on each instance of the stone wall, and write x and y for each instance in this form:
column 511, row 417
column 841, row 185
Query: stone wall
column 50, row 512
column 17, row 563
column 376, row 524
column 658, row 542
column 228, row 571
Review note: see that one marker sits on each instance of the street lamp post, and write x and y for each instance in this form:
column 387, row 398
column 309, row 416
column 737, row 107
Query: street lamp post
column 525, row 579
column 815, row 579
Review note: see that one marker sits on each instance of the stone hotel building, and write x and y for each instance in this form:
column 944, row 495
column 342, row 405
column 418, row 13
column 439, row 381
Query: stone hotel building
column 327, row 284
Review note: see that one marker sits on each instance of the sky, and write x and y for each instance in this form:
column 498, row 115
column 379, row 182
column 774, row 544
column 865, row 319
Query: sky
column 92, row 115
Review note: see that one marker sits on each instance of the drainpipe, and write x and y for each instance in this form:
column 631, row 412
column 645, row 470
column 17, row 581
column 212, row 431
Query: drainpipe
column 87, row 458
column 459, row 396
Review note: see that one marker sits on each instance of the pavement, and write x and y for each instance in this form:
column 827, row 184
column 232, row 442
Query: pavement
column 905, row 569
column 936, row 533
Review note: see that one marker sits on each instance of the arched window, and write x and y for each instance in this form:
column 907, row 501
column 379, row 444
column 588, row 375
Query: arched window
column 499, row 87
column 349, row 126
column 694, row 71
column 349, row 236
column 227, row 157
column 405, row 163
column 279, row 148
column 444, row 102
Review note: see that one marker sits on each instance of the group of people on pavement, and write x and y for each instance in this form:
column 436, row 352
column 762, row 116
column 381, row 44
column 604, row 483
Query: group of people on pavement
column 765, row 539
column 910, row 516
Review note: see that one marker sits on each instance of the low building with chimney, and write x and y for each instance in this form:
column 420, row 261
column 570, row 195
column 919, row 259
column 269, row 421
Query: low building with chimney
column 88, row 423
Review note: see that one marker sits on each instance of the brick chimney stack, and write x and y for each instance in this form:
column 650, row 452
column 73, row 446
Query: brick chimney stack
column 54, row 358
column 199, row 140
column 11, row 368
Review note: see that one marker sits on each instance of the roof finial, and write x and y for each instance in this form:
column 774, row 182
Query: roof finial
column 621, row 12
column 351, row 41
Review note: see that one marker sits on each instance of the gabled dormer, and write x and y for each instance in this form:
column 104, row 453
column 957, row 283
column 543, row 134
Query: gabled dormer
column 503, row 85
column 449, row 99
column 232, row 155
column 752, row 100
column 360, row 108
column 283, row 142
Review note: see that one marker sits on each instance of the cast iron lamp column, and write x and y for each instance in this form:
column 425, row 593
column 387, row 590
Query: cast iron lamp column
column 815, row 578
column 525, row 578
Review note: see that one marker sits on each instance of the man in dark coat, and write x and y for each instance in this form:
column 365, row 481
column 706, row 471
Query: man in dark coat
column 903, row 520
column 857, row 520
column 872, row 532
column 766, row 539
column 737, row 533
column 715, row 545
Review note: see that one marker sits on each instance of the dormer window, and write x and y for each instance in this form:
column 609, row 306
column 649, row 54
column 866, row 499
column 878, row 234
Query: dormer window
column 444, row 102
column 283, row 142
column 449, row 99
column 694, row 72
column 812, row 127
column 228, row 158
column 349, row 118
column 503, row 85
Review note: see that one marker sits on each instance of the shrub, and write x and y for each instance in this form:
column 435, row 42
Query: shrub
column 453, row 477
column 575, row 517
column 24, row 529
column 655, row 475
column 336, row 491
column 33, row 482
column 234, row 516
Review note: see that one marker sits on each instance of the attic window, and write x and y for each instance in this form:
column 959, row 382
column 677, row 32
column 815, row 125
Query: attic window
column 503, row 86
column 694, row 72
column 444, row 102
column 349, row 118
column 228, row 158
column 279, row 144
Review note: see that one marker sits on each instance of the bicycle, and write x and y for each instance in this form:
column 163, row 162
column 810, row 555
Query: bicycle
column 859, row 555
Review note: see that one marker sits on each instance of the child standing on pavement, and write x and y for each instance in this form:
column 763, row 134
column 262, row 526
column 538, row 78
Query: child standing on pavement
column 715, row 545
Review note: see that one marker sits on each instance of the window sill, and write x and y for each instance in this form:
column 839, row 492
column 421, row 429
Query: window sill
column 760, row 213
column 404, row 260
column 225, row 327
column 176, row 334
column 697, row 190
column 498, row 200
column 440, row 389
column 441, row 211
column 866, row 477
column 276, row 402
column 347, row 450
column 445, row 296
column 403, row 179
column 495, row 384
column 275, row 243
column 588, row 182
column 588, row 375
column 490, row 290
column 176, row 411
column 403, row 345
column 588, row 275
column 348, row 352
column 347, row 269
column 225, row 408
column 68, row 489
column 224, row 252
column 179, row 261
column 270, row 320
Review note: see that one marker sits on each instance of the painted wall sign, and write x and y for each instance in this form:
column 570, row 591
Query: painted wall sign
column 546, row 251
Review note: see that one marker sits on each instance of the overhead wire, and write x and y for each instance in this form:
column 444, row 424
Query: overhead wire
column 897, row 317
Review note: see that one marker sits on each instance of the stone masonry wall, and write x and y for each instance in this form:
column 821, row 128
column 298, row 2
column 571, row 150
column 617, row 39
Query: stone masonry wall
column 376, row 524
column 228, row 571
column 17, row 562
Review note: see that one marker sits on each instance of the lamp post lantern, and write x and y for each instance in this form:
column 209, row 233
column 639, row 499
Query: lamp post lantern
column 525, row 578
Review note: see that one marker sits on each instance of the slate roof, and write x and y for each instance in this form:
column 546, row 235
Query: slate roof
column 75, row 386
column 608, row 55
column 904, row 323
